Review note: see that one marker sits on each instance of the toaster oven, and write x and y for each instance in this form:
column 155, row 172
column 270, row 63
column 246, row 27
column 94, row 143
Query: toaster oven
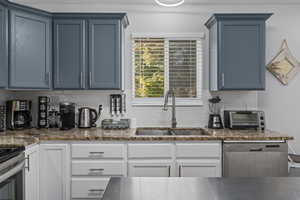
column 239, row 119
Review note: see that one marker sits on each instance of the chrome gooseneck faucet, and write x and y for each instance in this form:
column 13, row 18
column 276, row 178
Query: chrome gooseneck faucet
column 171, row 93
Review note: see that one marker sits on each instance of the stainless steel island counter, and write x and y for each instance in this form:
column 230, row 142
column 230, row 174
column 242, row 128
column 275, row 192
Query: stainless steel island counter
column 203, row 189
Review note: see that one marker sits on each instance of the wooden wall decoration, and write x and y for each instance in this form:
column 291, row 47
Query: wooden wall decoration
column 284, row 66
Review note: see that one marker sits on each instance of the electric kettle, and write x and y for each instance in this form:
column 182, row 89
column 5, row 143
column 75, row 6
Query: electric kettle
column 88, row 117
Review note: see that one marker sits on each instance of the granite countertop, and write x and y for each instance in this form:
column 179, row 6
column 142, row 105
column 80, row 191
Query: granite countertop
column 31, row 136
column 17, row 139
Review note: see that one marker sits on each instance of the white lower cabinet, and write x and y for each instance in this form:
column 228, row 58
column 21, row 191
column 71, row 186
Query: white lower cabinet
column 144, row 169
column 93, row 165
column 55, row 172
column 32, row 173
column 183, row 159
column 98, row 151
column 88, row 188
column 80, row 171
column 150, row 150
column 199, row 159
column 97, row 168
column 199, row 169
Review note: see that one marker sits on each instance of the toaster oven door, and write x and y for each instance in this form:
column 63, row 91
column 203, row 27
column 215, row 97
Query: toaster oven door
column 244, row 120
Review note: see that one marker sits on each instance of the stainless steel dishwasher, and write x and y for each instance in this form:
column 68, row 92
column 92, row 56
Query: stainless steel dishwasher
column 255, row 159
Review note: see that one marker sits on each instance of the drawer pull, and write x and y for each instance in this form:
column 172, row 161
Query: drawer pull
column 258, row 149
column 272, row 146
column 93, row 170
column 95, row 192
column 180, row 168
column 96, row 152
column 28, row 163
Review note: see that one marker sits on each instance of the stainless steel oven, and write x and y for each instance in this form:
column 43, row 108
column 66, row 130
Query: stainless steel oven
column 12, row 173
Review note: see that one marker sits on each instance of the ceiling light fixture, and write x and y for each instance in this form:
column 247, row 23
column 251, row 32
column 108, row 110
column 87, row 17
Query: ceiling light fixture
column 169, row 3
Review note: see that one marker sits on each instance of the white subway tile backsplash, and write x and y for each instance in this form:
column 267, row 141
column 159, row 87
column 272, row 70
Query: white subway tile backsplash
column 145, row 116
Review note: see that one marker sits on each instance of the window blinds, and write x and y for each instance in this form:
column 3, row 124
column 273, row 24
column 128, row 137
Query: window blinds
column 183, row 68
column 161, row 64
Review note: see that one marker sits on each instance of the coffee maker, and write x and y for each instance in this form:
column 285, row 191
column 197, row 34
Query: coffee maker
column 67, row 115
column 18, row 114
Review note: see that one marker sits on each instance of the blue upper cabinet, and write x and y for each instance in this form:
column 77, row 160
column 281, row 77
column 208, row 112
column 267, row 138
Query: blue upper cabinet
column 69, row 53
column 237, row 51
column 3, row 47
column 105, row 54
column 30, row 51
column 88, row 50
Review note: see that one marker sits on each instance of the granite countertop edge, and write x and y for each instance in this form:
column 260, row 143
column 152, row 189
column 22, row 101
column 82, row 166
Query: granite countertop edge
column 33, row 136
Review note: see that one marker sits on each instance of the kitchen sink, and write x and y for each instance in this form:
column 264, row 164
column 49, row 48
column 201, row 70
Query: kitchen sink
column 171, row 132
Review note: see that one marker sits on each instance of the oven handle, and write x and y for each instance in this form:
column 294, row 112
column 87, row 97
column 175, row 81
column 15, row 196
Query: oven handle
column 12, row 171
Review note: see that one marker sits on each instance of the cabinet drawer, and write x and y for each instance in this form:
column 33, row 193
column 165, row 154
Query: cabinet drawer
column 150, row 151
column 204, row 150
column 88, row 189
column 199, row 169
column 97, row 151
column 81, row 168
column 149, row 169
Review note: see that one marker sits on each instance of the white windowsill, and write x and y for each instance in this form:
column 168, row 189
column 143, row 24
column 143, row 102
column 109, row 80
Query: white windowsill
column 159, row 102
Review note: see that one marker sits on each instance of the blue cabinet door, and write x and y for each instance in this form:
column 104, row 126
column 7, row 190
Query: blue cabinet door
column 242, row 55
column 3, row 47
column 30, row 51
column 104, row 54
column 69, row 54
column 237, row 51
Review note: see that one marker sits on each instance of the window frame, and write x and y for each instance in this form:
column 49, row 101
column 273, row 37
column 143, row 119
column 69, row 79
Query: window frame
column 184, row 102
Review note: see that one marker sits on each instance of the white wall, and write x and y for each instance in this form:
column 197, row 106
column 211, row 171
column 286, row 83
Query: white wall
column 277, row 101
column 281, row 103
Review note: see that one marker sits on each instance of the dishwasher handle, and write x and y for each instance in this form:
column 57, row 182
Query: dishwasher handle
column 273, row 146
column 256, row 149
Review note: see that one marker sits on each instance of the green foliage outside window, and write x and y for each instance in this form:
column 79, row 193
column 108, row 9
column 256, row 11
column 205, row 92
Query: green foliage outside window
column 149, row 67
column 149, row 63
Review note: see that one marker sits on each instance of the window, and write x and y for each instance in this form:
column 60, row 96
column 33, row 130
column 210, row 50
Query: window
column 167, row 63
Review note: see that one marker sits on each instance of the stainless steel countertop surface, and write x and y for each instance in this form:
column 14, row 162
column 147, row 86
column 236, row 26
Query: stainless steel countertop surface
column 203, row 189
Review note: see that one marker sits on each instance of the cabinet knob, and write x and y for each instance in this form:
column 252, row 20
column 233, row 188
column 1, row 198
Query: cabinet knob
column 223, row 79
column 47, row 78
column 28, row 163
column 81, row 79
column 90, row 78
